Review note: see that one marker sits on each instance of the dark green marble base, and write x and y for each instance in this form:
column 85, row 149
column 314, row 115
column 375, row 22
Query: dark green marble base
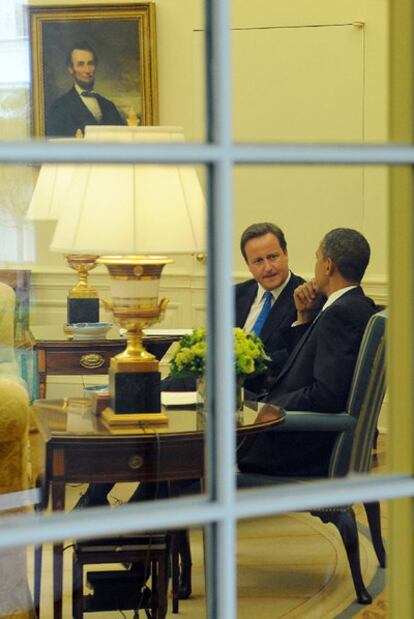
column 135, row 392
column 82, row 310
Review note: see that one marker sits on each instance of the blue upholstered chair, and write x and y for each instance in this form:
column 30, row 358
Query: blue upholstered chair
column 352, row 451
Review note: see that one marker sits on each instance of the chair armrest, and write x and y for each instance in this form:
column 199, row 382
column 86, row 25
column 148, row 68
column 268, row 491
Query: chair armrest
column 14, row 412
column 307, row 421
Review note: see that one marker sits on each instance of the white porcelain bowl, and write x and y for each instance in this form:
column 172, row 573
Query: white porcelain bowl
column 88, row 330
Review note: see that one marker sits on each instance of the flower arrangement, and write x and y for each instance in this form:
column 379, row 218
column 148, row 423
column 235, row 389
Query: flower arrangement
column 190, row 356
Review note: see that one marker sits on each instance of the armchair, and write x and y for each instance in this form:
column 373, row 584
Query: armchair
column 16, row 341
column 352, row 451
column 8, row 363
column 19, row 280
column 15, row 600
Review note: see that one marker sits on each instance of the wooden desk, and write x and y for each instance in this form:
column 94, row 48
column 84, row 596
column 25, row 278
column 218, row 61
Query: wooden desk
column 58, row 355
column 79, row 446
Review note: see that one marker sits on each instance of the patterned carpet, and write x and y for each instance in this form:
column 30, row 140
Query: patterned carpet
column 290, row 566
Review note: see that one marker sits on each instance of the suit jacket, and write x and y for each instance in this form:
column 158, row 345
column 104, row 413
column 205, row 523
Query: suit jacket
column 279, row 320
column 68, row 114
column 316, row 377
column 318, row 374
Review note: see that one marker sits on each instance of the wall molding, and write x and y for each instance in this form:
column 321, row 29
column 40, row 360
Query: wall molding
column 185, row 288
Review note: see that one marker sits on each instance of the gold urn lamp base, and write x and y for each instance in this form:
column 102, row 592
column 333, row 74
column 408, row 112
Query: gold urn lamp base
column 134, row 377
column 83, row 299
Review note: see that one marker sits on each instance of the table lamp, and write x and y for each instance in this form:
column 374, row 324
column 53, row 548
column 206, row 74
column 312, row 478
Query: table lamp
column 49, row 197
column 129, row 214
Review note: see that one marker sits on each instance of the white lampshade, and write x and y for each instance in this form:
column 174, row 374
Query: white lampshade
column 51, row 190
column 131, row 208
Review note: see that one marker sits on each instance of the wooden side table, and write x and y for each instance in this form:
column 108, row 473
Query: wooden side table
column 57, row 355
column 80, row 454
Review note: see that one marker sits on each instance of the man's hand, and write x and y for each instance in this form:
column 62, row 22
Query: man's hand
column 305, row 297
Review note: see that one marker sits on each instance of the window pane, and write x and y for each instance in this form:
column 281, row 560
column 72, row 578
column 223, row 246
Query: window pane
column 309, row 74
column 307, row 202
column 296, row 563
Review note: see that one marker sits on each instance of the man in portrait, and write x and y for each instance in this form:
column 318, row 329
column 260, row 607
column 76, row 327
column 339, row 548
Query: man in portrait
column 81, row 105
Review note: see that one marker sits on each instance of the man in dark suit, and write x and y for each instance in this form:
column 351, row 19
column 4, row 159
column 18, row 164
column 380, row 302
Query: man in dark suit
column 81, row 105
column 264, row 249
column 318, row 373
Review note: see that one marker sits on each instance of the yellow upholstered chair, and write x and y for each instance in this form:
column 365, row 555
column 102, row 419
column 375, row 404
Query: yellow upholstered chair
column 15, row 599
column 8, row 363
column 20, row 281
column 16, row 342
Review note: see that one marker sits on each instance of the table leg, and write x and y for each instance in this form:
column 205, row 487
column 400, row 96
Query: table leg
column 175, row 571
column 58, row 504
column 203, row 488
column 41, row 372
column 37, row 578
column 42, row 386
column 163, row 587
column 175, row 563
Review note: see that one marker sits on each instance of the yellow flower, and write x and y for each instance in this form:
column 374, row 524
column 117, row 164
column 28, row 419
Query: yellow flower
column 189, row 358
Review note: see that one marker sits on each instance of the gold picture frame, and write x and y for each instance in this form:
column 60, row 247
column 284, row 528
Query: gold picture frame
column 123, row 39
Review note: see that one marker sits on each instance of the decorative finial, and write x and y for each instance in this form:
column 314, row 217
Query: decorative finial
column 132, row 118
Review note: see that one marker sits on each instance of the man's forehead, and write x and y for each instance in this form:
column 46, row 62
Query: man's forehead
column 264, row 242
column 81, row 54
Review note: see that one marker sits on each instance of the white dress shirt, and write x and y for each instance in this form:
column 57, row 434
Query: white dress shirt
column 335, row 296
column 91, row 103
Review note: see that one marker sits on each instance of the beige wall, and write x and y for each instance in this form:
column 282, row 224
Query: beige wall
column 306, row 72
column 302, row 71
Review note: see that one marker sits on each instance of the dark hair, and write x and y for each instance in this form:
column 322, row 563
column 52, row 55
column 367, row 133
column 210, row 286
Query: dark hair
column 261, row 229
column 82, row 45
column 349, row 251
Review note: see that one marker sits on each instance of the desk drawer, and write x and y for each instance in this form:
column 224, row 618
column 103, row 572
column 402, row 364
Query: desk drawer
column 87, row 357
column 129, row 460
column 80, row 361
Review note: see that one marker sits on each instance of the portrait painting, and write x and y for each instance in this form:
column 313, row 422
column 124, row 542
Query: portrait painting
column 92, row 64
